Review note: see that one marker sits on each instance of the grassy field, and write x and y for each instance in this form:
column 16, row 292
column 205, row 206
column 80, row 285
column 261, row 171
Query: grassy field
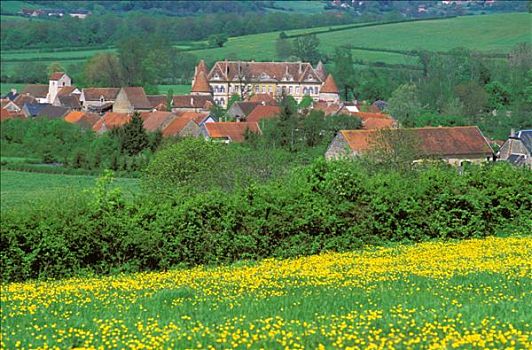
column 300, row 7
column 177, row 89
column 489, row 33
column 6, row 87
column 25, row 189
column 468, row 294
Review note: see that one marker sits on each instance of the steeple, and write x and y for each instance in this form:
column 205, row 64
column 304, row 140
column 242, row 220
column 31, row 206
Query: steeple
column 329, row 90
column 320, row 70
column 201, row 85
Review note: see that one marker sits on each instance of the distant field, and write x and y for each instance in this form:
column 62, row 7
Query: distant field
column 22, row 188
column 6, row 87
column 177, row 89
column 14, row 6
column 300, row 7
column 487, row 33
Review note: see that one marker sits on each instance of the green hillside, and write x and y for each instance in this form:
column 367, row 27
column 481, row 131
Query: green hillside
column 492, row 34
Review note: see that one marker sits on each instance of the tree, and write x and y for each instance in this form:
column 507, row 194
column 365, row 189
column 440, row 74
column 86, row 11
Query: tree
column 473, row 97
column 313, row 128
column 499, row 95
column 217, row 40
column 104, row 70
column 283, row 48
column 306, row 102
column 306, row 48
column 169, row 99
column 343, row 68
column 132, row 136
column 132, row 55
column 404, row 105
column 54, row 67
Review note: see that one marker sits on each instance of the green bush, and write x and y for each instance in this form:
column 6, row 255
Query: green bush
column 325, row 206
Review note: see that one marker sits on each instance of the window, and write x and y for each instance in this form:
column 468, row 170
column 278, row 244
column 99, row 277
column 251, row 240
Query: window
column 263, row 89
column 290, row 90
column 222, row 101
column 222, row 88
column 101, row 99
column 256, row 88
column 297, row 90
column 217, row 101
column 305, row 91
column 270, row 89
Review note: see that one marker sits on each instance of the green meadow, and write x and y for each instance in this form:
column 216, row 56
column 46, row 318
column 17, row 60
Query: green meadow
column 488, row 33
column 31, row 189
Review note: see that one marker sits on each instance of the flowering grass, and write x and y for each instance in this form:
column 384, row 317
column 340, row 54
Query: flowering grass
column 468, row 294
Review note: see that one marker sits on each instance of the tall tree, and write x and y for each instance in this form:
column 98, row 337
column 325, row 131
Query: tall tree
column 344, row 71
column 404, row 105
column 306, row 48
column 283, row 48
column 132, row 136
column 104, row 70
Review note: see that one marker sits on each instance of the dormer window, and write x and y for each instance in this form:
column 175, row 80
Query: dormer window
column 101, row 99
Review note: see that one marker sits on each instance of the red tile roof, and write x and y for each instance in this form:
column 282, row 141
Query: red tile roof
column 56, row 75
column 5, row 114
column 201, row 83
column 158, row 101
column 233, row 131
column 198, row 117
column 263, row 112
column 74, row 116
column 66, row 90
column 202, row 67
column 264, row 71
column 179, row 123
column 94, row 94
column 192, row 101
column 111, row 120
column 263, row 98
column 437, row 141
column 137, row 97
column 329, row 86
column 368, row 115
column 327, row 108
column 377, row 123
column 154, row 121
column 35, row 90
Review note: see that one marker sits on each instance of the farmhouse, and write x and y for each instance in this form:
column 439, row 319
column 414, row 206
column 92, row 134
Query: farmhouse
column 517, row 150
column 131, row 99
column 227, row 132
column 98, row 99
column 454, row 145
column 297, row 79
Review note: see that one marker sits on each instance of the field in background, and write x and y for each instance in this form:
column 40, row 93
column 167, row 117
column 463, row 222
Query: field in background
column 24, row 189
column 466, row 294
column 177, row 89
column 6, row 87
column 489, row 33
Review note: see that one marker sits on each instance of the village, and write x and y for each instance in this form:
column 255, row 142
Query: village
column 256, row 89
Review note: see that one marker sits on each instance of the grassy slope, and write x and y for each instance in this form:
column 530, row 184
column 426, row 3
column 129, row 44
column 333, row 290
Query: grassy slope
column 493, row 33
column 467, row 294
column 22, row 188
column 6, row 87
column 177, row 89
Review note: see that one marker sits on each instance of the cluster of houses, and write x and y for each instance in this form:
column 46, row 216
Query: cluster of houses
column 81, row 14
column 259, row 86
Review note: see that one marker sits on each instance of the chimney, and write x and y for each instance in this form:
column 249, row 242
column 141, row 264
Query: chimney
column 192, row 101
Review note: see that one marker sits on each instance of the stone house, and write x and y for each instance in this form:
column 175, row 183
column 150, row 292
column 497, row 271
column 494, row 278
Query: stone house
column 57, row 81
column 132, row 99
column 454, row 145
column 241, row 109
column 192, row 103
column 517, row 150
column 297, row 79
column 97, row 99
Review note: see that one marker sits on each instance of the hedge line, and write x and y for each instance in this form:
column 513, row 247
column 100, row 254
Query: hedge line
column 326, row 206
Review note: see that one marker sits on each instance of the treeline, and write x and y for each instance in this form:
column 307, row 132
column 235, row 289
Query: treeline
column 459, row 87
column 110, row 29
column 201, row 205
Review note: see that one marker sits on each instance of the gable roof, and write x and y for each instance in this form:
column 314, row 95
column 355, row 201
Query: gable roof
column 263, row 112
column 192, row 101
column 137, row 97
column 233, row 131
column 56, row 75
column 74, row 116
column 21, row 100
column 36, row 90
column 178, row 124
column 327, row 108
column 264, row 71
column 111, row 120
column 67, row 90
column 433, row 141
column 263, row 98
column 377, row 123
column 156, row 101
column 53, row 112
column 69, row 101
column 94, row 94
column 329, row 86
column 526, row 138
column 201, row 83
column 32, row 109
column 88, row 120
column 202, row 67
column 246, row 107
column 5, row 114
column 154, row 121
column 11, row 95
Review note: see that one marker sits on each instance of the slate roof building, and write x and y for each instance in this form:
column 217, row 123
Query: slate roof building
column 517, row 150
column 31, row 110
column 53, row 112
column 296, row 79
column 454, row 145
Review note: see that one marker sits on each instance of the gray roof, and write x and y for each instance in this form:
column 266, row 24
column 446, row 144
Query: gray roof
column 69, row 101
column 526, row 137
column 53, row 112
column 36, row 90
column 32, row 109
